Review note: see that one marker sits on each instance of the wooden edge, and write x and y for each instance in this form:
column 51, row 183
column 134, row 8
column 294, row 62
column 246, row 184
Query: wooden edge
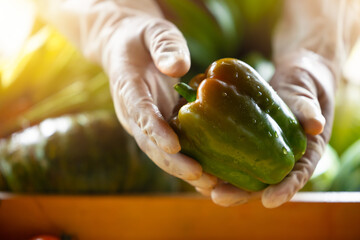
column 306, row 197
column 310, row 215
column 327, row 197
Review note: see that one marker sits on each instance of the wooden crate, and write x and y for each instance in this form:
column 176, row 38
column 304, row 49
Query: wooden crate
column 307, row 216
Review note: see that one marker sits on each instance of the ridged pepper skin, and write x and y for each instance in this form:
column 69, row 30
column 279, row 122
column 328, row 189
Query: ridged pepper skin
column 238, row 128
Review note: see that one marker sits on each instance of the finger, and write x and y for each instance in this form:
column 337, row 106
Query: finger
column 135, row 97
column 178, row 165
column 225, row 194
column 167, row 47
column 308, row 112
column 206, row 181
column 300, row 93
column 276, row 195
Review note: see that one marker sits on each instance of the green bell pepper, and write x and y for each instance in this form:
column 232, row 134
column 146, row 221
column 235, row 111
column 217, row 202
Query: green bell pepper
column 237, row 127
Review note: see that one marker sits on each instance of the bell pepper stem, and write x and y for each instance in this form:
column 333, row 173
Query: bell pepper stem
column 186, row 91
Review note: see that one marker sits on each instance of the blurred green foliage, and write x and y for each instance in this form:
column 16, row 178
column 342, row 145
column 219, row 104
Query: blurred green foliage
column 216, row 29
column 348, row 178
column 346, row 127
column 48, row 78
column 325, row 172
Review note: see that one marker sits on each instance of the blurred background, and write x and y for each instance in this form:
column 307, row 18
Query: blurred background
column 57, row 125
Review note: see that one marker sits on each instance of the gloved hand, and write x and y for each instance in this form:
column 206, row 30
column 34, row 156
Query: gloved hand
column 311, row 44
column 113, row 32
column 142, row 54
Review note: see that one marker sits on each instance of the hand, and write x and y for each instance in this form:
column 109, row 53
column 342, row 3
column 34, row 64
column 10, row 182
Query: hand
column 306, row 84
column 142, row 54
column 142, row 57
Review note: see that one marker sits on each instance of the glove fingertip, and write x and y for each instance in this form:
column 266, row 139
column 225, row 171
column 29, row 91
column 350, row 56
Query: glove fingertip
column 315, row 125
column 173, row 64
column 206, row 181
column 218, row 200
column 309, row 114
column 271, row 199
column 227, row 195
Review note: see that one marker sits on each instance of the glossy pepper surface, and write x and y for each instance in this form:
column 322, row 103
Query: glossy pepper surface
column 237, row 127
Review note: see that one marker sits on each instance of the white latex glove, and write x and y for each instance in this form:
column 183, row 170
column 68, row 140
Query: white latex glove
column 311, row 45
column 142, row 53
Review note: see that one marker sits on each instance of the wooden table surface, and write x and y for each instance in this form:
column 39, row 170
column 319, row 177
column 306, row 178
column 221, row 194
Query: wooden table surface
column 307, row 216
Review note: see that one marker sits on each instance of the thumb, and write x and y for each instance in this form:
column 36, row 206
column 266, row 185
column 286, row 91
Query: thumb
column 308, row 112
column 167, row 47
column 300, row 93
